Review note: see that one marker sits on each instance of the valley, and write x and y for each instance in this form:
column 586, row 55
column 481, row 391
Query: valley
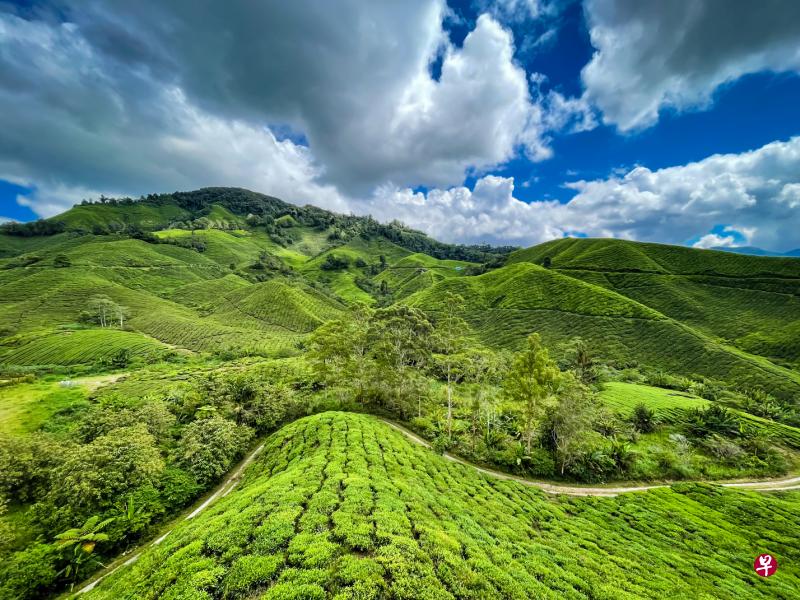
column 406, row 394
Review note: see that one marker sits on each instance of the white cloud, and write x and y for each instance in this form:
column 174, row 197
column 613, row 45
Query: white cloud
column 749, row 191
column 655, row 55
column 713, row 240
column 734, row 239
column 353, row 77
column 131, row 98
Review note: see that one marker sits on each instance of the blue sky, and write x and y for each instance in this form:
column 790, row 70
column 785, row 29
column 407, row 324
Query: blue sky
column 506, row 121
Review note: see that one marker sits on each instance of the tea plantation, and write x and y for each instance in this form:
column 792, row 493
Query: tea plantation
column 148, row 347
column 342, row 506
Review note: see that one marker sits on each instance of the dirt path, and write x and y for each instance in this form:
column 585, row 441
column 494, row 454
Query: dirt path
column 220, row 491
column 97, row 381
column 767, row 485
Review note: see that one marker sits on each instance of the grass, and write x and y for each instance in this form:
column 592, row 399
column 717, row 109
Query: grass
column 25, row 407
column 342, row 506
column 670, row 406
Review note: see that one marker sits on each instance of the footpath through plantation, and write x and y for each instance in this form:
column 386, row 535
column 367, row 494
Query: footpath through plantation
column 477, row 409
column 342, row 505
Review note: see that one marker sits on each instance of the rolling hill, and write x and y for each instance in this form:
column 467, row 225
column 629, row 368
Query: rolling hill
column 146, row 345
column 342, row 506
column 221, row 269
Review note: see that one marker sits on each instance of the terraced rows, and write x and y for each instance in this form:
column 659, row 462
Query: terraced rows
column 78, row 347
column 342, row 506
column 671, row 405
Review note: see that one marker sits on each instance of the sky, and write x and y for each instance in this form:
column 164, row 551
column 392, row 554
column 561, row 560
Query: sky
column 476, row 121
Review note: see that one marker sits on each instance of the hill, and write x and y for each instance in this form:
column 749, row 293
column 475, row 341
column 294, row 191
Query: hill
column 343, row 506
column 506, row 305
column 755, row 251
column 701, row 288
column 145, row 345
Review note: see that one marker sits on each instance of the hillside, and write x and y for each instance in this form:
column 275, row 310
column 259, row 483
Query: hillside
column 506, row 305
column 342, row 506
column 148, row 346
column 701, row 288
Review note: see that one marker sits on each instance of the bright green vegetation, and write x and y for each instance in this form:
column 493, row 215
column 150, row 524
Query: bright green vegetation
column 82, row 346
column 671, row 406
column 26, row 407
column 342, row 506
column 187, row 327
column 625, row 396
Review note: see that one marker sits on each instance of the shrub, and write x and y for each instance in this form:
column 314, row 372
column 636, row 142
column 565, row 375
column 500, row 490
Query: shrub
column 335, row 262
column 643, row 418
column 61, row 261
column 713, row 419
column 249, row 571
column 29, row 573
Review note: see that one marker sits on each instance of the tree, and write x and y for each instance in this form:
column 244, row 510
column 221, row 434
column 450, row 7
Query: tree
column 340, row 351
column 104, row 311
column 209, row 446
column 334, row 262
column 450, row 333
column 581, row 360
column 531, row 381
column 569, row 421
column 402, row 348
column 92, row 477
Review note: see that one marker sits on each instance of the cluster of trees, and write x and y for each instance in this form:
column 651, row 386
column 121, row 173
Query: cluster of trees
column 335, row 262
column 103, row 311
column 102, row 483
column 521, row 411
column 33, row 228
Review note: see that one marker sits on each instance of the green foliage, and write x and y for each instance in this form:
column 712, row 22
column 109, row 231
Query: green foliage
column 643, row 418
column 715, row 419
column 234, row 313
column 335, row 262
column 209, row 446
column 92, row 477
column 532, row 381
column 405, row 523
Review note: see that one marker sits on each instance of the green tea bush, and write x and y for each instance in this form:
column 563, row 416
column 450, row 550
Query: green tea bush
column 405, row 523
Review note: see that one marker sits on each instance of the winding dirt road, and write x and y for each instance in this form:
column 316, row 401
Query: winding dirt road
column 766, row 485
column 769, row 485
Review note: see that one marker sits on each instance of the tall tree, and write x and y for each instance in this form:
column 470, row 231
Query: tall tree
column 451, row 330
column 340, row 351
column 581, row 359
column 402, row 347
column 531, row 381
column 570, row 420
column 105, row 312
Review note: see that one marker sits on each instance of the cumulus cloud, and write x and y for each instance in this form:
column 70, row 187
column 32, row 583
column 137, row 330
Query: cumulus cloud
column 754, row 192
column 654, row 55
column 352, row 76
column 733, row 239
